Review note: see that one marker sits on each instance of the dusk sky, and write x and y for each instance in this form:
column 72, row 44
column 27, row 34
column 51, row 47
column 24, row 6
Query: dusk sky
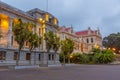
column 81, row 14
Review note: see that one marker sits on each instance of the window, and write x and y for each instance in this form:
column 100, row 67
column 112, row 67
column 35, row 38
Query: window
column 87, row 40
column 39, row 57
column 52, row 56
column 50, row 20
column 49, row 57
column 12, row 41
column 28, row 55
column 55, row 21
column 2, row 55
column 15, row 55
column 91, row 40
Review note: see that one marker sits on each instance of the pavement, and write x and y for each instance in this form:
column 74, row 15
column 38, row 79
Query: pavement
column 69, row 72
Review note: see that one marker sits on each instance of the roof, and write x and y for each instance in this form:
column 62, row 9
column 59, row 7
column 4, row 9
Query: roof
column 85, row 32
column 14, row 10
column 63, row 28
column 82, row 32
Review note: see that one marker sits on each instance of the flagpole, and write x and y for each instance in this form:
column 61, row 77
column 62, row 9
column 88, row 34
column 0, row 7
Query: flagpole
column 47, row 5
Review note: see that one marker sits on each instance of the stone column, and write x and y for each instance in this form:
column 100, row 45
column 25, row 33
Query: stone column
column 44, row 43
column 10, row 32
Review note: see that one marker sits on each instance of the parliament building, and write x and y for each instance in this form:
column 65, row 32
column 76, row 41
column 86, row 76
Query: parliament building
column 84, row 40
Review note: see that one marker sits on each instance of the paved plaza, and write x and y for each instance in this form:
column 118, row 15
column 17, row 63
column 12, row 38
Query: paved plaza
column 71, row 72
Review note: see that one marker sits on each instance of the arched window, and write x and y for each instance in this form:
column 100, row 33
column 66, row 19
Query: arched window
column 91, row 40
column 87, row 40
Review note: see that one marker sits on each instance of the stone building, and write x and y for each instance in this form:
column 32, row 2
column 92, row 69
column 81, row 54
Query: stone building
column 44, row 22
column 84, row 40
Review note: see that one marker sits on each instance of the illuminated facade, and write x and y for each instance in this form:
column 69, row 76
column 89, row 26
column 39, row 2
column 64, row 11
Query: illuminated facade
column 84, row 40
column 44, row 22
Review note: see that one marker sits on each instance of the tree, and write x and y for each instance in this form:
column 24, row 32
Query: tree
column 34, row 42
column 49, row 38
column 21, row 32
column 67, row 46
column 70, row 48
column 112, row 41
column 64, row 49
column 56, row 45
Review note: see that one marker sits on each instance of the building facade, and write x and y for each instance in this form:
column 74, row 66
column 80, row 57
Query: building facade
column 44, row 22
column 84, row 40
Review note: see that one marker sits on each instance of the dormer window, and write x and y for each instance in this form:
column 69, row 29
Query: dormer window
column 55, row 21
column 46, row 17
column 50, row 20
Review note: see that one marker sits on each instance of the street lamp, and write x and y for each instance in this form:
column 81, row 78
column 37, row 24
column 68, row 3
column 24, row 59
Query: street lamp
column 113, row 49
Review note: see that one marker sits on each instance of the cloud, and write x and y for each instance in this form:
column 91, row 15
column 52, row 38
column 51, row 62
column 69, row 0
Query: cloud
column 79, row 13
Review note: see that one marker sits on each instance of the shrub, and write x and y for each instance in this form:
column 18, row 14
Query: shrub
column 85, row 58
column 96, row 57
column 105, row 56
column 76, row 58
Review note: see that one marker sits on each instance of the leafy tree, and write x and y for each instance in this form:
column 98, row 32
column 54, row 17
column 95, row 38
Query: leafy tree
column 70, row 48
column 49, row 38
column 34, row 42
column 64, row 49
column 67, row 48
column 21, row 33
column 56, row 45
column 112, row 41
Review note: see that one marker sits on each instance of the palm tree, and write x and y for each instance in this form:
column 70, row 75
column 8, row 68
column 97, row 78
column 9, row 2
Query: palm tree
column 21, row 32
column 49, row 38
column 56, row 45
column 34, row 42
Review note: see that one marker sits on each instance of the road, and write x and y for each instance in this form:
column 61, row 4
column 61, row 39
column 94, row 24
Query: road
column 74, row 72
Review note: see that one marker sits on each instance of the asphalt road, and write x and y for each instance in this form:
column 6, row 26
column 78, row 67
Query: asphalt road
column 76, row 72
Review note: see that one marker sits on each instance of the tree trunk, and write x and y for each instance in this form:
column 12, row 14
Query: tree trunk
column 68, row 60
column 64, row 61
column 54, row 58
column 35, row 58
column 47, row 58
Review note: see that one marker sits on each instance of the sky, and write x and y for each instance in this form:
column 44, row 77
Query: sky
column 81, row 14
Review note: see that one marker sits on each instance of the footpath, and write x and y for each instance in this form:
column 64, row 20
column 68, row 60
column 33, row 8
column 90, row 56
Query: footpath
column 13, row 67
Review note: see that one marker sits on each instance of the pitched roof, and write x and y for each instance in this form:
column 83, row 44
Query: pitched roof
column 85, row 32
column 82, row 32
column 65, row 29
